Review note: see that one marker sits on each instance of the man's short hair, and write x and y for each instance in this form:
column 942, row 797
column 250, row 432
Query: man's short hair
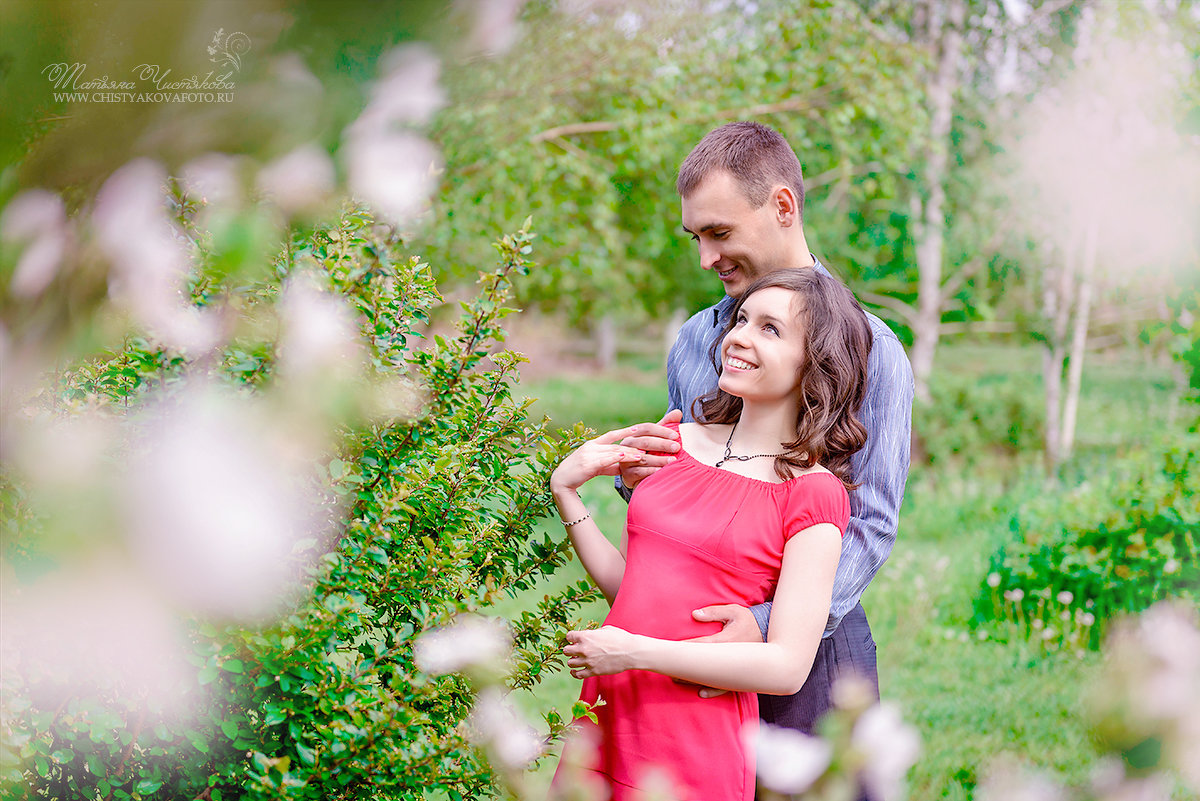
column 757, row 156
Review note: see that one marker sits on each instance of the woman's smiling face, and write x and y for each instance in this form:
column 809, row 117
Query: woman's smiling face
column 762, row 355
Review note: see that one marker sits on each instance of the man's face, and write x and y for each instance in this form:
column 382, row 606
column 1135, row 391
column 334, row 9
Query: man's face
column 736, row 240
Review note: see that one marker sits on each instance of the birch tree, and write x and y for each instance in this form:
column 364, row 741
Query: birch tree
column 978, row 54
column 1111, row 181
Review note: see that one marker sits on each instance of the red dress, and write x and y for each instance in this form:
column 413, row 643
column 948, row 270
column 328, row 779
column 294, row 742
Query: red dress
column 697, row 536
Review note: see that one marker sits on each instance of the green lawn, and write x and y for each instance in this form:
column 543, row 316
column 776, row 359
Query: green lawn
column 971, row 699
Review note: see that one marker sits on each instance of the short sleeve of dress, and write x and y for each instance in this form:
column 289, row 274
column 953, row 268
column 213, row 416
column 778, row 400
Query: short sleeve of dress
column 816, row 498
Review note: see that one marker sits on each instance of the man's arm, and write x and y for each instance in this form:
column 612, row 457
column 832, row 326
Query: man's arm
column 779, row 666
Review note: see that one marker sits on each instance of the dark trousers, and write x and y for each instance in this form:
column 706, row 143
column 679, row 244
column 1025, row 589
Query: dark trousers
column 849, row 650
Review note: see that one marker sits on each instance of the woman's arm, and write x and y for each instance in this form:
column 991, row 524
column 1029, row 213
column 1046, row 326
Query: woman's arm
column 778, row 666
column 596, row 457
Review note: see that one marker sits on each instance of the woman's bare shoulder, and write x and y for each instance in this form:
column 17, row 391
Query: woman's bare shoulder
column 702, row 440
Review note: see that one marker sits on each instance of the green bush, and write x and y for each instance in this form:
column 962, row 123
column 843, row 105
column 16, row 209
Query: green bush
column 1114, row 545
column 974, row 418
column 325, row 702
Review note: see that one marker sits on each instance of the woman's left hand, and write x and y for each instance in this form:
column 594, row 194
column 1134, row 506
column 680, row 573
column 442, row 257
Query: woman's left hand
column 599, row 652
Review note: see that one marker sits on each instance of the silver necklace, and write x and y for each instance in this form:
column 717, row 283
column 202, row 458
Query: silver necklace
column 729, row 451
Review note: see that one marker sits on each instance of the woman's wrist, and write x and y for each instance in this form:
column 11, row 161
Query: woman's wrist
column 562, row 492
column 561, row 488
column 638, row 657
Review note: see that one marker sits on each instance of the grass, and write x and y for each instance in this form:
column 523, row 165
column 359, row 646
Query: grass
column 970, row 699
column 603, row 402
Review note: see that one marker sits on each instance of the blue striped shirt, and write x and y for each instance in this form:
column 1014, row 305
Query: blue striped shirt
column 880, row 468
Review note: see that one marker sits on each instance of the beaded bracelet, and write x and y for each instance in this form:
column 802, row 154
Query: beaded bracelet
column 574, row 522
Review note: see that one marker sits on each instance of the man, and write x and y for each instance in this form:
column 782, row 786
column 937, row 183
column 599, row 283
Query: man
column 742, row 196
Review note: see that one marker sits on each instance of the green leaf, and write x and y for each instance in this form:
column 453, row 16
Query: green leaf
column 307, row 755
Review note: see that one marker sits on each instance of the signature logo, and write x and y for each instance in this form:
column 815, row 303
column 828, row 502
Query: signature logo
column 228, row 49
column 225, row 50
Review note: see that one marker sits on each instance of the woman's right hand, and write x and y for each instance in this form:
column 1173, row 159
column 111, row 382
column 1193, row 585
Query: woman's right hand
column 601, row 456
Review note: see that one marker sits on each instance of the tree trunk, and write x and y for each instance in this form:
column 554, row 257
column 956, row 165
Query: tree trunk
column 1079, row 334
column 930, row 230
column 606, row 343
column 1052, row 354
column 1059, row 290
column 1052, row 378
column 671, row 331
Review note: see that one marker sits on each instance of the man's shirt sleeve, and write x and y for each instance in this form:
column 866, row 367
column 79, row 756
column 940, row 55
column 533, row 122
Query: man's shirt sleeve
column 881, row 469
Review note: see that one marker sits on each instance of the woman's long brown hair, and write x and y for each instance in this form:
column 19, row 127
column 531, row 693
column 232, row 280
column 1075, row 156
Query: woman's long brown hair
column 833, row 374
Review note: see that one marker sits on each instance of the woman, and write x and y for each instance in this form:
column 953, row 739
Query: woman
column 752, row 509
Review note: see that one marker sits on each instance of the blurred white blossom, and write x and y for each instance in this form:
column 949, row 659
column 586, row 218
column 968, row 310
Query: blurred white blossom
column 408, row 94
column 493, row 24
column 150, row 259
column 468, row 642
column 213, row 179
column 889, row 746
column 1171, row 642
column 65, row 452
column 629, row 23
column 496, row 726
column 395, row 173
column 388, row 165
column 1155, row 665
column 853, row 693
column 1017, row 10
column 300, row 181
column 215, row 505
column 787, row 761
column 1110, row 783
column 94, row 628
column 37, row 219
column 320, row 334
column 1008, row 782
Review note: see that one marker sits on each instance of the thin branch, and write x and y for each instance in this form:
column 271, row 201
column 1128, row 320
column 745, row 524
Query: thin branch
column 968, row 270
column 900, row 308
column 574, row 128
column 817, row 99
column 571, row 147
column 979, row 327
column 829, row 176
column 1048, row 8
